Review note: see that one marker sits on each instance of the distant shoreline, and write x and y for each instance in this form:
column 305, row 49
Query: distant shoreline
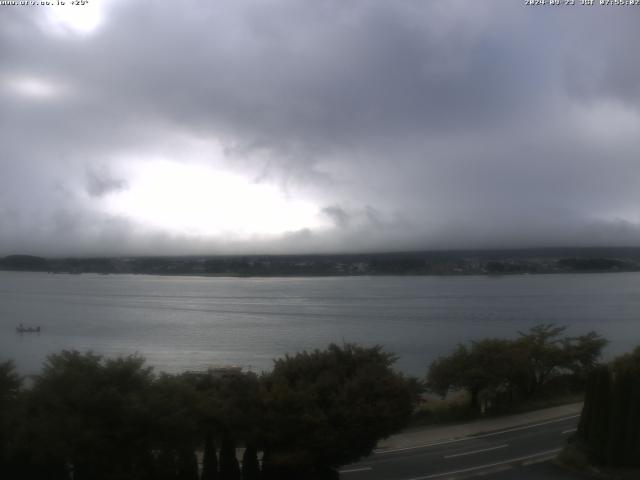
column 329, row 276
column 428, row 263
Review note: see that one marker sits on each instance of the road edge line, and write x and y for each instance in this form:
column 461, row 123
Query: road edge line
column 455, row 455
column 490, row 465
column 474, row 437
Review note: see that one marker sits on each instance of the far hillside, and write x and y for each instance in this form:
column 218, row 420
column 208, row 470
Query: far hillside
column 455, row 262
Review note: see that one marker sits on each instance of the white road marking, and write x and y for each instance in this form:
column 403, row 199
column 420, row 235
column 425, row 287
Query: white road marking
column 476, row 451
column 353, row 470
column 571, row 430
column 489, row 465
column 484, row 435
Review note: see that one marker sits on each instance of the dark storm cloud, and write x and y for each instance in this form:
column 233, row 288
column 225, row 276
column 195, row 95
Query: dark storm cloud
column 101, row 182
column 411, row 124
column 338, row 215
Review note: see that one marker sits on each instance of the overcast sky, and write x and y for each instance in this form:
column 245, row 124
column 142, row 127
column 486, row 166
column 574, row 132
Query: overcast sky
column 274, row 126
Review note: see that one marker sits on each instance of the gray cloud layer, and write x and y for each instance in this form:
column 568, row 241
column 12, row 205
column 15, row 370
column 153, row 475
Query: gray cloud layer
column 411, row 124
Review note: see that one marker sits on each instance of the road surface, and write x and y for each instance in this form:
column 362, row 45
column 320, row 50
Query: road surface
column 495, row 452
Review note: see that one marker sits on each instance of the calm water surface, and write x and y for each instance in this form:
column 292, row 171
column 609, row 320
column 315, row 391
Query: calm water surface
column 181, row 323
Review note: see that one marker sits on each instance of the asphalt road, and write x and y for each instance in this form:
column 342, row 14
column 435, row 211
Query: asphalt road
column 493, row 454
column 538, row 471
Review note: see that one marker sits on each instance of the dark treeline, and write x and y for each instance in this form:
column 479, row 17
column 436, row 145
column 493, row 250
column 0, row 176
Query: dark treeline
column 86, row 417
column 609, row 429
column 499, row 373
column 492, row 262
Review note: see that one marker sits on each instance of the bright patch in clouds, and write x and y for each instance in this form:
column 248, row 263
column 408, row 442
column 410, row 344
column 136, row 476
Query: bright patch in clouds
column 72, row 18
column 30, row 87
column 200, row 200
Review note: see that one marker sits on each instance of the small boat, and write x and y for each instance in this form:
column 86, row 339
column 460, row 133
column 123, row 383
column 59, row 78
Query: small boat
column 23, row 329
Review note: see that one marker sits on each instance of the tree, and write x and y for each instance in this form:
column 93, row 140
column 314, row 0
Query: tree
column 609, row 428
column 489, row 366
column 228, row 406
column 543, row 348
column 209, row 459
column 594, row 421
column 92, row 414
column 495, row 371
column 229, row 467
column 250, row 464
column 628, row 363
column 187, row 464
column 327, row 408
column 624, row 429
column 582, row 353
column 174, row 428
column 10, row 384
column 447, row 372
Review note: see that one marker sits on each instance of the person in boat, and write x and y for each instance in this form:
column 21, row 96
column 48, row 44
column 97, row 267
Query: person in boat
column 22, row 329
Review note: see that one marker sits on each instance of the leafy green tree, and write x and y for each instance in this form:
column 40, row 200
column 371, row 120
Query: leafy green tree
column 495, row 371
column 229, row 404
column 330, row 407
column 92, row 414
column 228, row 407
column 550, row 355
column 583, row 352
column 543, row 347
column 10, row 384
column 485, row 368
column 628, row 363
column 174, row 429
column 498, row 367
column 447, row 372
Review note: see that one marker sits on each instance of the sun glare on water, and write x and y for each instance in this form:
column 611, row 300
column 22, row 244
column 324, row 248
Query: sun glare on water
column 200, row 200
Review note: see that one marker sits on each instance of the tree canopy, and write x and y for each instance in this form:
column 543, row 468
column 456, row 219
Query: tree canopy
column 330, row 407
column 499, row 368
column 89, row 417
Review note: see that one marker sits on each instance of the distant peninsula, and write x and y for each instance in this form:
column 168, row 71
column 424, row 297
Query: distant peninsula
column 454, row 262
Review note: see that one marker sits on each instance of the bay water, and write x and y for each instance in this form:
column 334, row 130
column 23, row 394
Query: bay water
column 191, row 323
